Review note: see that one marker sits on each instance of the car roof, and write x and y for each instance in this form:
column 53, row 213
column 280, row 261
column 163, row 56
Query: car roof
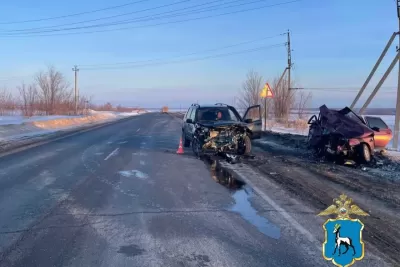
column 211, row 105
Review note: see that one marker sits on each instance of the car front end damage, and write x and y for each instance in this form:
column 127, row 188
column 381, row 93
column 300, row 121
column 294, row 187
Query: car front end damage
column 230, row 139
column 341, row 134
column 347, row 148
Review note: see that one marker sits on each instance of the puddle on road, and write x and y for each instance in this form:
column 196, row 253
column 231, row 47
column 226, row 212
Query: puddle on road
column 242, row 193
column 135, row 173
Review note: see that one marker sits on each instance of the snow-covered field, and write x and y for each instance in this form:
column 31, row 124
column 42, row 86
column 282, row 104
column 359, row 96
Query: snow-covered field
column 14, row 128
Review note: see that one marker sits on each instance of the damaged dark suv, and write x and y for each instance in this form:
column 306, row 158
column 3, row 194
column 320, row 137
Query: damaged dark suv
column 219, row 129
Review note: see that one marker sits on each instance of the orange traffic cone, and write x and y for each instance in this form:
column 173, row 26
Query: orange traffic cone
column 180, row 148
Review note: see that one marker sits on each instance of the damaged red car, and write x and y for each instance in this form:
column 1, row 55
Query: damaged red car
column 341, row 133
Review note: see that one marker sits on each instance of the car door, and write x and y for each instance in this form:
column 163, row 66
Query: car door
column 252, row 117
column 184, row 124
column 383, row 134
column 190, row 126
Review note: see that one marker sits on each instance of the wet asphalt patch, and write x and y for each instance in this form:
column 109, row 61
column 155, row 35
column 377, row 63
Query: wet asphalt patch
column 242, row 194
column 131, row 250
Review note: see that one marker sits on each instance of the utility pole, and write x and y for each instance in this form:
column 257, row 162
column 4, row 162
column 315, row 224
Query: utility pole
column 75, row 69
column 374, row 69
column 289, row 51
column 397, row 117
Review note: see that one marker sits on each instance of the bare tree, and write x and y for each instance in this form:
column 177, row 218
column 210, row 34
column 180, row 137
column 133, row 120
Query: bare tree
column 251, row 89
column 284, row 99
column 303, row 100
column 29, row 97
column 7, row 102
column 53, row 90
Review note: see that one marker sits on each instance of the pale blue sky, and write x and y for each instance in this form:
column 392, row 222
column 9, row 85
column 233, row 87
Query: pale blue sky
column 335, row 43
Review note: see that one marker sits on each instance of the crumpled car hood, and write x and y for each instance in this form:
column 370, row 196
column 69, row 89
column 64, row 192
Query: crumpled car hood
column 211, row 124
column 336, row 121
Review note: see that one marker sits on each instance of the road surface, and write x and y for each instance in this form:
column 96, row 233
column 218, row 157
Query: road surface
column 120, row 196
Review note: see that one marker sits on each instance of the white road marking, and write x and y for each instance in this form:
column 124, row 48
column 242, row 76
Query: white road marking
column 142, row 162
column 99, row 176
column 112, row 153
column 140, row 153
column 136, row 173
column 138, row 130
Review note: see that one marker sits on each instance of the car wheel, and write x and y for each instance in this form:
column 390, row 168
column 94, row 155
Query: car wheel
column 364, row 153
column 196, row 147
column 247, row 143
column 186, row 143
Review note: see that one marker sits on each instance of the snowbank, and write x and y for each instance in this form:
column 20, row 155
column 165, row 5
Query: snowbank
column 12, row 120
column 299, row 127
column 13, row 128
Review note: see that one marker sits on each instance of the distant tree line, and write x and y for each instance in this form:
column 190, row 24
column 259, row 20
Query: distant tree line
column 49, row 94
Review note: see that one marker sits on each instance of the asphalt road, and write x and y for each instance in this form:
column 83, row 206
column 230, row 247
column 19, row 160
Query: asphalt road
column 121, row 196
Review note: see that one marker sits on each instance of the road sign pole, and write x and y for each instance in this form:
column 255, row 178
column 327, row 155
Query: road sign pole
column 265, row 116
column 266, row 93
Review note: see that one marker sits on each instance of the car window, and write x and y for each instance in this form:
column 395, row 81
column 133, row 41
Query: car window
column 376, row 122
column 353, row 116
column 213, row 114
column 192, row 115
column 187, row 114
column 233, row 116
column 253, row 113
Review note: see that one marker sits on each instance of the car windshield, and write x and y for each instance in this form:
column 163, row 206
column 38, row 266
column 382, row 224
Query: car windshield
column 351, row 115
column 215, row 114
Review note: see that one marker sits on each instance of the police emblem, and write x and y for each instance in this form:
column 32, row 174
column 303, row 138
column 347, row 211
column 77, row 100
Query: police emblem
column 343, row 243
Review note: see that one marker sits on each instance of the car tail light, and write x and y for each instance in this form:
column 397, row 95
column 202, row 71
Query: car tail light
column 354, row 142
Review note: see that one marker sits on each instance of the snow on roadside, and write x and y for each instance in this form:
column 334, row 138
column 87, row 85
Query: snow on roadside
column 20, row 128
column 12, row 120
column 281, row 128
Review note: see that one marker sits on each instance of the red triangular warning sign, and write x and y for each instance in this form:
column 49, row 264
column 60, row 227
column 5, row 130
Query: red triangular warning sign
column 267, row 92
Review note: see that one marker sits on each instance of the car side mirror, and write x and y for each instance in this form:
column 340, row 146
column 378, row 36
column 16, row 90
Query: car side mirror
column 248, row 120
column 189, row 121
column 376, row 129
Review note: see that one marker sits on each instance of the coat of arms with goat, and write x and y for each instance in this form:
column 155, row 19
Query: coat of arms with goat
column 343, row 235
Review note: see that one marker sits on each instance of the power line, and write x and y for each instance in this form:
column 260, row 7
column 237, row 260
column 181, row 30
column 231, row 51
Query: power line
column 157, row 24
column 188, row 60
column 102, row 18
column 185, row 55
column 72, row 15
column 343, row 89
column 144, row 18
